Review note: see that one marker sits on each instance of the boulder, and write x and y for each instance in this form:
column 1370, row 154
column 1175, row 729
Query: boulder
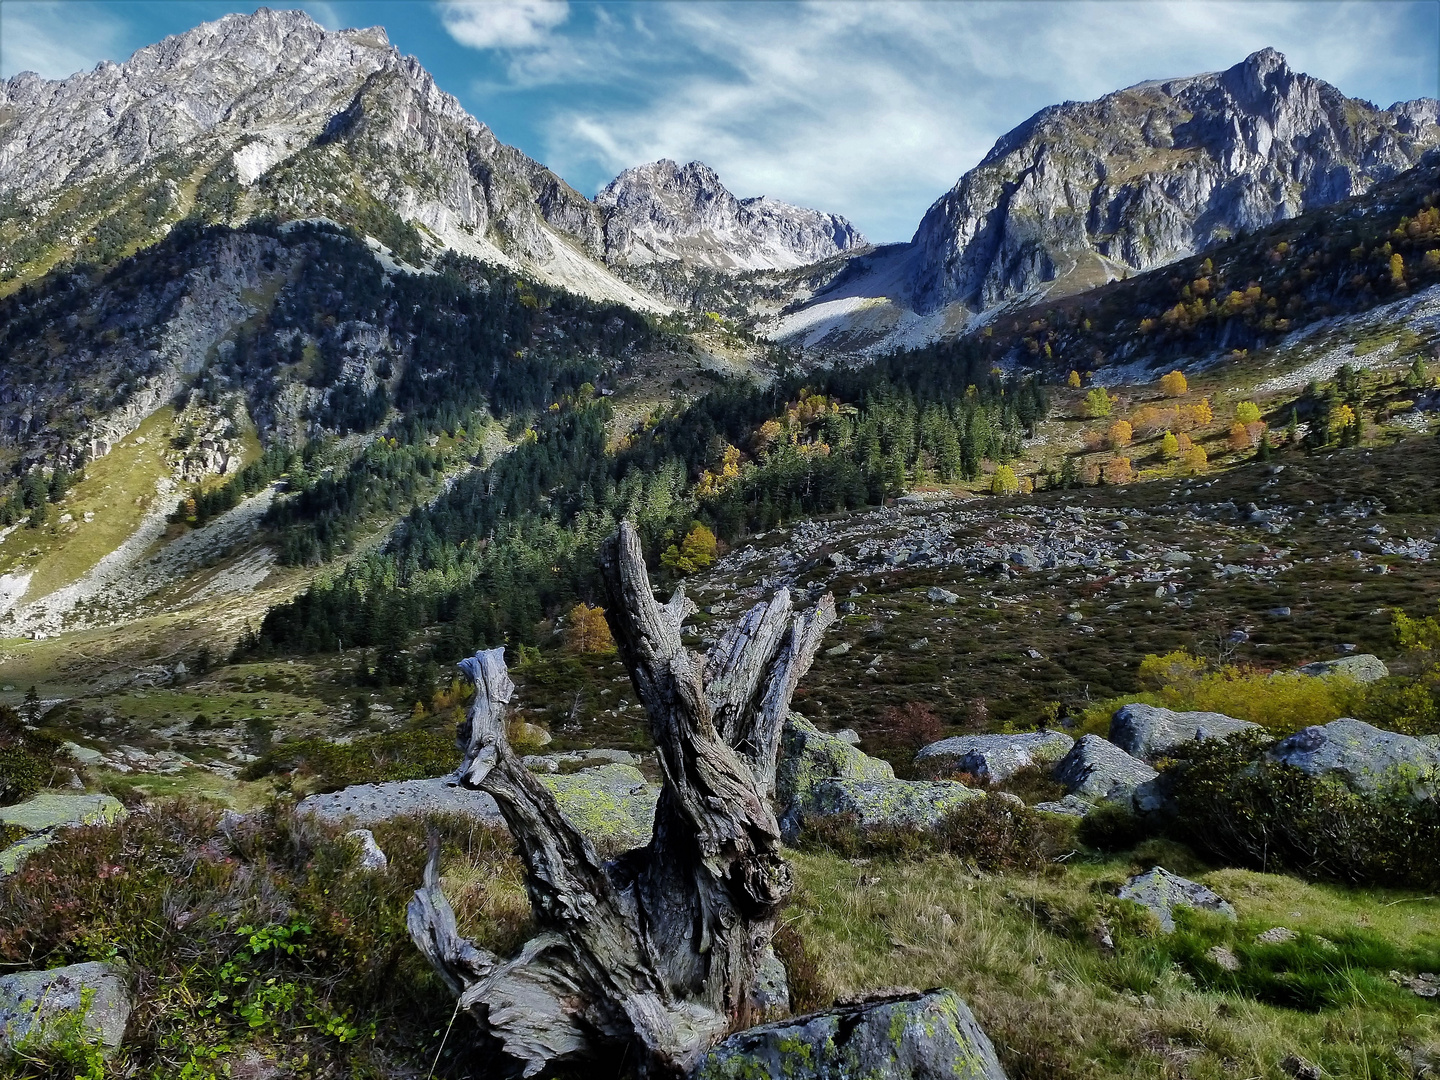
column 570, row 760
column 929, row 1036
column 1362, row 667
column 367, row 804
column 1162, row 892
column 920, row 804
column 809, row 756
column 1149, row 732
column 996, row 757
column 1096, row 769
column 1365, row 757
column 613, row 805
column 45, row 815
column 58, row 810
column 90, row 1002
column 941, row 596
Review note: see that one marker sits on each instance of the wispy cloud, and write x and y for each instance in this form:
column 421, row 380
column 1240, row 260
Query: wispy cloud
column 32, row 38
column 502, row 24
column 874, row 109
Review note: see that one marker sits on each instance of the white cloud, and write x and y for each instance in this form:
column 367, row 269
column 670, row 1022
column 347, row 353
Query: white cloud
column 324, row 13
column 502, row 24
column 53, row 40
column 873, row 110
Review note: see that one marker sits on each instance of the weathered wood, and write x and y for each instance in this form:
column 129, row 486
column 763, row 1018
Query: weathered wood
column 651, row 957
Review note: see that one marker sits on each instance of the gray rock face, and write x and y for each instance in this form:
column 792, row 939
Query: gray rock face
column 1365, row 757
column 664, row 212
column 996, row 757
column 1362, row 667
column 1096, row 769
column 930, row 1036
column 1149, row 732
column 1155, row 172
column 1162, row 892
column 44, row 1006
column 808, row 757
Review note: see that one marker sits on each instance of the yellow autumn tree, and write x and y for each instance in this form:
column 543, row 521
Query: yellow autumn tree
column 1117, row 471
column 1397, row 269
column 1196, row 460
column 586, row 630
column 695, row 552
column 1342, row 418
column 1239, row 437
column 1097, row 403
column 1247, row 412
column 1073, row 380
column 1169, row 446
column 1175, row 384
column 1004, row 482
column 1119, row 435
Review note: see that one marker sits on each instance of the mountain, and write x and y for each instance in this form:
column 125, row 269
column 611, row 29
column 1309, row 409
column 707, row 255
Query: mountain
column 272, row 115
column 1086, row 192
column 664, row 212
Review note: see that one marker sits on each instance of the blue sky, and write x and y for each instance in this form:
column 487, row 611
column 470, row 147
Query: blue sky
column 871, row 110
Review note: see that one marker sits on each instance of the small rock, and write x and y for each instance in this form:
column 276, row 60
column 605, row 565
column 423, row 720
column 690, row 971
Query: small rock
column 996, row 757
column 838, row 650
column 1223, row 957
column 1177, row 558
column 1280, row 612
column 1298, row 1068
column 1276, row 935
column 942, row 596
column 1161, row 892
column 1425, row 984
column 371, row 857
column 919, row 644
column 848, row 735
column 1069, row 806
column 83, row 754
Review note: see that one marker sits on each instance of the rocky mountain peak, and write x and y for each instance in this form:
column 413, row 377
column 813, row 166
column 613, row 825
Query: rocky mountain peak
column 665, row 212
column 1084, row 192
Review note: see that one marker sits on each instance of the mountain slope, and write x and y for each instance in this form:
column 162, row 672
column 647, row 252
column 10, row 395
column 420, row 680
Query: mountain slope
column 1087, row 192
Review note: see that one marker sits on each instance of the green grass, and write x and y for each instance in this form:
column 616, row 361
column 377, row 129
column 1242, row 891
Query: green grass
column 118, row 488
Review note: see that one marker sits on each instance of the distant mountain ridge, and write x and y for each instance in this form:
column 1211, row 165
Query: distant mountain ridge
column 1087, row 192
column 271, row 114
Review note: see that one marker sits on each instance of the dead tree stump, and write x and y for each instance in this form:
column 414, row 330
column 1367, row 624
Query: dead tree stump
column 649, row 958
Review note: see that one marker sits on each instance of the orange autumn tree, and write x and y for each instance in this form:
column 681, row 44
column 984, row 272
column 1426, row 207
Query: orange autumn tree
column 586, row 630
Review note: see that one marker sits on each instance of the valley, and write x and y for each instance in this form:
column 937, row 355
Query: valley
column 1122, row 477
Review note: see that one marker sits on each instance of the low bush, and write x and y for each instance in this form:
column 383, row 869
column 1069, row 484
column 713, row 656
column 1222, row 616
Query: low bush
column 412, row 753
column 28, row 758
column 994, row 834
column 1245, row 809
column 1112, row 827
column 274, row 939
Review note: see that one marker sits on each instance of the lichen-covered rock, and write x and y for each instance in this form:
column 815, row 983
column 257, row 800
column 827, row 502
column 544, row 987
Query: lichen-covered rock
column 1162, row 892
column 45, row 815
column 1367, row 758
column 1149, row 732
column 809, row 756
column 58, row 810
column 1362, row 667
column 919, row 1037
column 770, row 994
column 920, row 804
column 996, row 757
column 85, row 1002
column 1096, row 769
column 613, row 805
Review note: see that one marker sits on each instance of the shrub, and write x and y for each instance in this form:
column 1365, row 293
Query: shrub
column 993, row 833
column 413, row 753
column 28, row 759
column 1112, row 827
column 1239, row 805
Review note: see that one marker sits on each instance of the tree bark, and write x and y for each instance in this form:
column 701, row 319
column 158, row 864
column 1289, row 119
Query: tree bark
column 652, row 957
